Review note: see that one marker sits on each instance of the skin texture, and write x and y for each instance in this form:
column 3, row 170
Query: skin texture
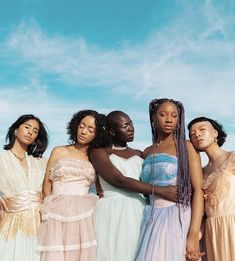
column 85, row 135
column 165, row 120
column 122, row 131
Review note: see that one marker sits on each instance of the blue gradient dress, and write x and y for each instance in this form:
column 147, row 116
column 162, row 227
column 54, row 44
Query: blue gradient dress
column 165, row 224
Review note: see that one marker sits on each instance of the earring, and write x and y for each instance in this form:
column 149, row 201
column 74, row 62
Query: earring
column 15, row 133
column 215, row 139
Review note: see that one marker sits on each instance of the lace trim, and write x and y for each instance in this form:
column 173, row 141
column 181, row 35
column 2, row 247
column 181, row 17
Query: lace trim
column 67, row 247
column 68, row 219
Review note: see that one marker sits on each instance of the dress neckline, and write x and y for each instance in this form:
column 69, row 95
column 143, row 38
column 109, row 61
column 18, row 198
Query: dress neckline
column 133, row 156
column 159, row 154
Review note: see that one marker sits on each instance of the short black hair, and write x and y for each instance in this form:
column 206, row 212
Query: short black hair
column 38, row 147
column 216, row 125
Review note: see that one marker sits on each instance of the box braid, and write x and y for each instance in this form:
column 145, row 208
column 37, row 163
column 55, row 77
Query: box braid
column 183, row 177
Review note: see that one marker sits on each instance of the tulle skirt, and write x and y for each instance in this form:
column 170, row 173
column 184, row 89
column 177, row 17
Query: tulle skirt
column 164, row 233
column 66, row 231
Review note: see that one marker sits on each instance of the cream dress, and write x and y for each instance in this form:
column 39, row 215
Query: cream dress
column 19, row 225
column 220, row 210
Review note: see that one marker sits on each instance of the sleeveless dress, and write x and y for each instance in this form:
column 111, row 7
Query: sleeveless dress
column 165, row 223
column 118, row 215
column 67, row 231
column 22, row 191
column 220, row 211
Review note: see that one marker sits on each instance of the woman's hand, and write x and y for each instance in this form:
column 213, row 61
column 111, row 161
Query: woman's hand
column 169, row 192
column 192, row 248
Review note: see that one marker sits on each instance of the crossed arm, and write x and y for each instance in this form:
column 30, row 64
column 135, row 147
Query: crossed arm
column 104, row 167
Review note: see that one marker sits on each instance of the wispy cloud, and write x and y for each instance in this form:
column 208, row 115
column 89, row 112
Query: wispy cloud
column 192, row 63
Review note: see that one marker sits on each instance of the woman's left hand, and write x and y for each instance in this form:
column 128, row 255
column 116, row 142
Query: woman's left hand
column 192, row 248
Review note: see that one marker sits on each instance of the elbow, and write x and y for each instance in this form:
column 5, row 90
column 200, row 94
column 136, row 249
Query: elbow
column 120, row 182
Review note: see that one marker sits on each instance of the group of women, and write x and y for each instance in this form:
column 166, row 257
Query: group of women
column 151, row 205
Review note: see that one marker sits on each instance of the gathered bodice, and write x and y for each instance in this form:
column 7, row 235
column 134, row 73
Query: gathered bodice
column 219, row 188
column 72, row 176
column 130, row 167
column 160, row 169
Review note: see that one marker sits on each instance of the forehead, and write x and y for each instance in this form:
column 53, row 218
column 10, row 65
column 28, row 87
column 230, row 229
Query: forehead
column 201, row 124
column 122, row 118
column 168, row 106
column 88, row 120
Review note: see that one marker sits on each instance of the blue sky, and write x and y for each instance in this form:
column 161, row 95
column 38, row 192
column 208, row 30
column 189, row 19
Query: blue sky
column 58, row 57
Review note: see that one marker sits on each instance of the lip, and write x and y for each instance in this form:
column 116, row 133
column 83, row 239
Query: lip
column 168, row 127
column 81, row 137
column 27, row 137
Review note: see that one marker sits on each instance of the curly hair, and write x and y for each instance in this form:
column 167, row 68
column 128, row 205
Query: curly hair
column 217, row 126
column 183, row 178
column 101, row 137
column 38, row 147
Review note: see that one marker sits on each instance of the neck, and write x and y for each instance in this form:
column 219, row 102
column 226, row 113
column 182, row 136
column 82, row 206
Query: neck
column 163, row 138
column 19, row 149
column 81, row 147
column 214, row 154
column 118, row 147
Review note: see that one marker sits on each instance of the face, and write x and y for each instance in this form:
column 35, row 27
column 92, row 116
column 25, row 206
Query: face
column 27, row 132
column 166, row 118
column 123, row 129
column 86, row 130
column 202, row 134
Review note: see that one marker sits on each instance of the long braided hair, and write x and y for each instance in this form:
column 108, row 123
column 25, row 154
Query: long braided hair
column 183, row 177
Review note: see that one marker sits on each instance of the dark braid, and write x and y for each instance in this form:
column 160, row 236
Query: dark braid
column 183, row 177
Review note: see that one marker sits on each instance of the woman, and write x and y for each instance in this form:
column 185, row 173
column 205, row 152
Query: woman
column 66, row 232
column 170, row 231
column 207, row 135
column 22, row 171
column 119, row 212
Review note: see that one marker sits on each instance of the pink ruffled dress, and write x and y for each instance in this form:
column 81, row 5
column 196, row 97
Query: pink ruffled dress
column 66, row 231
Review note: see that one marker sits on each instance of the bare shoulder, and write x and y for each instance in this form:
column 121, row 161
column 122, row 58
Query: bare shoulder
column 136, row 152
column 147, row 151
column 190, row 146
column 59, row 151
column 99, row 151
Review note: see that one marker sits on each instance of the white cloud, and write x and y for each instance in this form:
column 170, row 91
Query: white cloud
column 192, row 63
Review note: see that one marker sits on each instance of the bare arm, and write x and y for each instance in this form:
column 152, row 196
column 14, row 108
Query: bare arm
column 104, row 167
column 47, row 184
column 196, row 177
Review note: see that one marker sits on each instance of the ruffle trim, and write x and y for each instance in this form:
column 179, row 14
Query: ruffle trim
column 72, row 167
column 67, row 247
column 68, row 219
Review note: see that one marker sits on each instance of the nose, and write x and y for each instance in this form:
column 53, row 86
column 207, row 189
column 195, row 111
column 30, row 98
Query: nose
column 197, row 134
column 130, row 127
column 84, row 130
column 30, row 131
column 169, row 119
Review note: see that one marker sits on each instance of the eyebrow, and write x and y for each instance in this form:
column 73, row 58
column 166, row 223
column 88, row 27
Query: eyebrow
column 31, row 126
column 89, row 126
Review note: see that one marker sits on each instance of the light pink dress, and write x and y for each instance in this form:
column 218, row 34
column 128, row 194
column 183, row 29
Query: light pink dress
column 66, row 231
column 220, row 210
